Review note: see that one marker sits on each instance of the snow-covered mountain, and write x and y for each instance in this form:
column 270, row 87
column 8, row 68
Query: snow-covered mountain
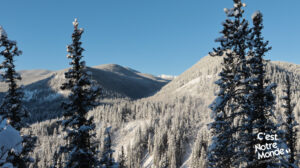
column 171, row 123
column 198, row 81
column 194, row 90
column 111, row 77
column 126, row 81
column 43, row 95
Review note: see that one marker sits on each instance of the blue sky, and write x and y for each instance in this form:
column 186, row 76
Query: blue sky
column 152, row 36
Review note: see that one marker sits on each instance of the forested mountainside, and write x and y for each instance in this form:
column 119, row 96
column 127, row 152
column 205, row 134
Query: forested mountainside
column 168, row 128
column 43, row 95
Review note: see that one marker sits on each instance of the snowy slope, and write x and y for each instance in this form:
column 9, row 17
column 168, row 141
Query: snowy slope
column 198, row 83
column 43, row 87
column 183, row 102
column 111, row 77
column 10, row 140
column 197, row 79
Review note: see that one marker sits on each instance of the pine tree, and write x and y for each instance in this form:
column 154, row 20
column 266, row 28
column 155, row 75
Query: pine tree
column 12, row 107
column 129, row 156
column 290, row 123
column 160, row 144
column 199, row 152
column 107, row 160
column 122, row 159
column 227, row 108
column 80, row 148
column 56, row 160
column 37, row 160
column 260, row 96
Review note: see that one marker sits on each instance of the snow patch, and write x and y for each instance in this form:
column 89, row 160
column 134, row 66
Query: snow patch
column 10, row 140
column 148, row 161
column 195, row 82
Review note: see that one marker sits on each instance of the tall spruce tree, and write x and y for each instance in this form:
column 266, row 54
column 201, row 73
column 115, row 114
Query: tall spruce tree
column 228, row 107
column 80, row 148
column 290, row 123
column 260, row 117
column 12, row 108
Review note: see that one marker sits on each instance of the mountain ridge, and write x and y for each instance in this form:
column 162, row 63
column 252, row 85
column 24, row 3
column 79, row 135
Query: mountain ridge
column 43, row 87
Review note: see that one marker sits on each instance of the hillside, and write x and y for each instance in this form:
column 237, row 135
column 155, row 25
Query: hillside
column 43, row 95
column 173, row 121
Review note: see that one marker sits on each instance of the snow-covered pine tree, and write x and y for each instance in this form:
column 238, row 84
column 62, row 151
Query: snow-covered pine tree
column 290, row 123
column 55, row 160
column 129, row 156
column 159, row 145
column 37, row 160
column 80, row 147
column 261, row 117
column 122, row 159
column 12, row 107
column 199, row 152
column 227, row 108
column 107, row 160
column 173, row 154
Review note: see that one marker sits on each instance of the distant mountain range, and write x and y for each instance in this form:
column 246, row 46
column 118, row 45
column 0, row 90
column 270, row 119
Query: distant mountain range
column 43, row 94
column 114, row 78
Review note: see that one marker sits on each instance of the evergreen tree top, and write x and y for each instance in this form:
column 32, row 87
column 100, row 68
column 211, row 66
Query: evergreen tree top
column 257, row 17
column 75, row 23
column 237, row 10
column 10, row 44
column 2, row 33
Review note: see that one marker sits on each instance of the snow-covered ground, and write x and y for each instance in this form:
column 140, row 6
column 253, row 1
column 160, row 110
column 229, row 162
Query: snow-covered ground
column 10, row 140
